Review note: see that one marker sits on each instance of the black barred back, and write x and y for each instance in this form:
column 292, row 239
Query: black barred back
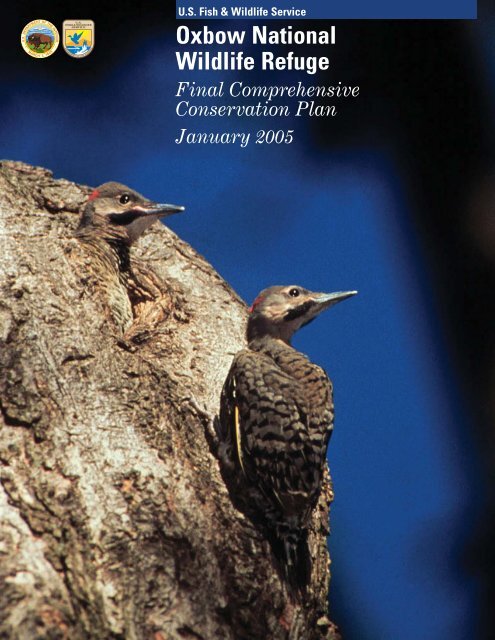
column 109, row 265
column 276, row 419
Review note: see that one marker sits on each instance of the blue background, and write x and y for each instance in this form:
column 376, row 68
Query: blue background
column 328, row 219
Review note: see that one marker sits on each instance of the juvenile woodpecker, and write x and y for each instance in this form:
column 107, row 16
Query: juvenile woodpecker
column 276, row 418
column 112, row 220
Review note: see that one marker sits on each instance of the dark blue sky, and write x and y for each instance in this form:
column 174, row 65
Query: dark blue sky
column 328, row 221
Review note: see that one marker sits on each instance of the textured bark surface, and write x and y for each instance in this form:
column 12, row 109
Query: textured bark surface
column 114, row 519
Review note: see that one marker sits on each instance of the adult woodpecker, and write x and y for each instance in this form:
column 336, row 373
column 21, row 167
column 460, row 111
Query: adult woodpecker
column 276, row 418
column 114, row 217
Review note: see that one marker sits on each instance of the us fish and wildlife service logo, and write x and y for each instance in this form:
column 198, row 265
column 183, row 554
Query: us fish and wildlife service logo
column 40, row 38
column 79, row 37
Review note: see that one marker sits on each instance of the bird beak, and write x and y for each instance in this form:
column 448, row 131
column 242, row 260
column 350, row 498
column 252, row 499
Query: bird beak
column 158, row 209
column 326, row 300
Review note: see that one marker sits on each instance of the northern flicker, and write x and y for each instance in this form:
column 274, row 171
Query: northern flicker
column 112, row 220
column 276, row 418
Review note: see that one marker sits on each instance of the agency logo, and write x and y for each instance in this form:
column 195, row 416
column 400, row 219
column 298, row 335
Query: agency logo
column 40, row 38
column 78, row 37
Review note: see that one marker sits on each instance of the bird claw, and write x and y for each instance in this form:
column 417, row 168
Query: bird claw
column 210, row 421
column 193, row 404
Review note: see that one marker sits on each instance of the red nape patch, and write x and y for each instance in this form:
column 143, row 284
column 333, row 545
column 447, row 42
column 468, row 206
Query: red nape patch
column 94, row 195
column 255, row 303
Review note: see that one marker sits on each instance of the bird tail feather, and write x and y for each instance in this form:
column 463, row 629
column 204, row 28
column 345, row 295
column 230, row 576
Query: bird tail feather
column 292, row 551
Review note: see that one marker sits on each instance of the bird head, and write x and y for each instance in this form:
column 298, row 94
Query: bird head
column 118, row 213
column 280, row 311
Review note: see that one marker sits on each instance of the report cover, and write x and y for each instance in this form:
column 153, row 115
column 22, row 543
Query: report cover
column 315, row 147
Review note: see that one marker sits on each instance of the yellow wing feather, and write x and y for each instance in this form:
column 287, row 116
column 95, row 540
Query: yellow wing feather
column 237, row 425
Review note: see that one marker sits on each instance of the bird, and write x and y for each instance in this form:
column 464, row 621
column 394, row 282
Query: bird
column 75, row 37
column 275, row 422
column 113, row 218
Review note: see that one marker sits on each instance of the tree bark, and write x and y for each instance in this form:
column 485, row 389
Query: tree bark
column 115, row 521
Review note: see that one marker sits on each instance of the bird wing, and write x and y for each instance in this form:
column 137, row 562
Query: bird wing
column 265, row 416
column 230, row 419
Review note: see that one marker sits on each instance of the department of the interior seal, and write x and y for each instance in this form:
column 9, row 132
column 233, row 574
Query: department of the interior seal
column 40, row 38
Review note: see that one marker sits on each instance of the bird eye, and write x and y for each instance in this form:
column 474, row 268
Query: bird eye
column 294, row 293
column 124, row 199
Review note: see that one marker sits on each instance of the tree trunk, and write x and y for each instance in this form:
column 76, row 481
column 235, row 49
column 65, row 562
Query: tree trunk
column 115, row 521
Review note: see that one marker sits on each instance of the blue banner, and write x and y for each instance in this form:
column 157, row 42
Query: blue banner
column 325, row 9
